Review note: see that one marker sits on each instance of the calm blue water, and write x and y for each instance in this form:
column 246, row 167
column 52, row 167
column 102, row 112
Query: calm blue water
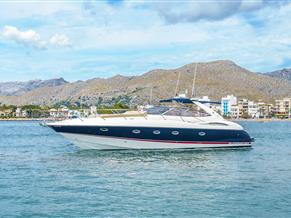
column 43, row 175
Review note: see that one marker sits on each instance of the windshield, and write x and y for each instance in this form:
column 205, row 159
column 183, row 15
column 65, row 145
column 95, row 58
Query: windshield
column 157, row 110
column 192, row 111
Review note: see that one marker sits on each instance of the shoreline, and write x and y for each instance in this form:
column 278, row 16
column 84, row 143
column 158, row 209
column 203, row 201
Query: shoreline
column 260, row 120
column 234, row 120
column 26, row 119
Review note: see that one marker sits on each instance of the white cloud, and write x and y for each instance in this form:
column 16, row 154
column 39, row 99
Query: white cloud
column 28, row 37
column 59, row 40
column 234, row 38
column 133, row 37
column 174, row 12
column 32, row 38
column 196, row 10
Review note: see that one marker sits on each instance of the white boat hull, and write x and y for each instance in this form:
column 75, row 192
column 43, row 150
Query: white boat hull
column 111, row 143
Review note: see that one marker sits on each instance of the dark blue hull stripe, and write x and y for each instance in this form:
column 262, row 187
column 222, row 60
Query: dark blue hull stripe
column 178, row 135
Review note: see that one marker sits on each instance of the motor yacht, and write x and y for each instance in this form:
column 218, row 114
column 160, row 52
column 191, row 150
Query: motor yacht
column 177, row 123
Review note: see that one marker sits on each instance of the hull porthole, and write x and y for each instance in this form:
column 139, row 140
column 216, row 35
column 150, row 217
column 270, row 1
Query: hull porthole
column 175, row 133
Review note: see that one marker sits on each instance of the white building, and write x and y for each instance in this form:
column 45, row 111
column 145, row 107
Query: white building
column 227, row 103
column 85, row 112
column 53, row 112
column 283, row 107
column 24, row 113
column 265, row 110
column 234, row 111
column 243, row 105
column 74, row 113
column 93, row 110
column 18, row 112
column 205, row 99
column 60, row 113
column 253, row 109
column 63, row 112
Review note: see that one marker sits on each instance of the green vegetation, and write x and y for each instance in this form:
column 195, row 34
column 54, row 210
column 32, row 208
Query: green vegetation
column 116, row 108
column 37, row 111
column 8, row 107
column 31, row 107
column 70, row 105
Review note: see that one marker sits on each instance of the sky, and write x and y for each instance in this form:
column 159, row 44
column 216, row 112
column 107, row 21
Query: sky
column 80, row 40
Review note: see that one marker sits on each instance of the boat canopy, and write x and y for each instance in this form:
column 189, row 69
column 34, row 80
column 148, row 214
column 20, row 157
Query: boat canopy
column 187, row 101
column 198, row 108
column 179, row 100
column 208, row 102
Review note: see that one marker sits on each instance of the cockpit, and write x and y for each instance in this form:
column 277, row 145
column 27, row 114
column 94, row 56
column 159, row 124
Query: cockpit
column 178, row 107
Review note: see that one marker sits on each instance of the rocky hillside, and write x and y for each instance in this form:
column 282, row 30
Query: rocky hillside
column 284, row 74
column 215, row 79
column 14, row 88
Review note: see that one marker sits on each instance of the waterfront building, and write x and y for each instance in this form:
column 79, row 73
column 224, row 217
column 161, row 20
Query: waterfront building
column 243, row 105
column 24, row 113
column 93, row 110
column 265, row 110
column 227, row 103
column 253, row 109
column 63, row 112
column 283, row 108
column 205, row 99
column 18, row 112
column 234, row 112
column 74, row 114
column 6, row 112
column 2, row 113
column 86, row 112
column 53, row 112
column 60, row 113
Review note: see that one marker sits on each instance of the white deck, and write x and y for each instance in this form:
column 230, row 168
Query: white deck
column 153, row 121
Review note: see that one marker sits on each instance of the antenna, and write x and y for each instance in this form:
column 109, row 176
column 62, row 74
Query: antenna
column 194, row 80
column 177, row 85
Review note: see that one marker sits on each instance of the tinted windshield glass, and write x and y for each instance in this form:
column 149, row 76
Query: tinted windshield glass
column 158, row 110
column 178, row 111
column 186, row 112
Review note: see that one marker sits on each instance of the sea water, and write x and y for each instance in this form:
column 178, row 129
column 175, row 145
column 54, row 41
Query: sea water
column 43, row 175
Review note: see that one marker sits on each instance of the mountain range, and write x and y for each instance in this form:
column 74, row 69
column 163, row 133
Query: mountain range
column 284, row 74
column 16, row 88
column 215, row 79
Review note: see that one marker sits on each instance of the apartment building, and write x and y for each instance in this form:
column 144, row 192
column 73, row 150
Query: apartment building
column 283, row 108
column 227, row 103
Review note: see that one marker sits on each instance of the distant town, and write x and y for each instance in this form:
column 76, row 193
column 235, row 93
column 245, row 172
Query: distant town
column 236, row 108
column 230, row 107
column 242, row 108
column 57, row 112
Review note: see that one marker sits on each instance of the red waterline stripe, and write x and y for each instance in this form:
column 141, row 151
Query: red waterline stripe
column 169, row 141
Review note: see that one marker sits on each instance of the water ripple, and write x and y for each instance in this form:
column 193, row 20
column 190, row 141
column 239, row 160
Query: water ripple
column 43, row 175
